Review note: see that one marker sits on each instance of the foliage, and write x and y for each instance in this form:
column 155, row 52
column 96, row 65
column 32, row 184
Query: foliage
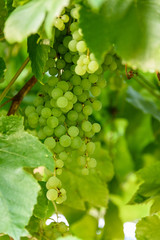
column 95, row 52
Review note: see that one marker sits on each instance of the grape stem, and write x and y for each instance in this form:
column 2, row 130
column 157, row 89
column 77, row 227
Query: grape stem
column 14, row 79
column 56, row 210
column 17, row 99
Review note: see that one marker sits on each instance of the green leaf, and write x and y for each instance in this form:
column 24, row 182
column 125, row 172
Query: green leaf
column 156, row 205
column 40, row 209
column 96, row 3
column 38, row 54
column 18, row 188
column 95, row 32
column 17, row 3
column 9, row 5
column 148, row 228
column 138, row 101
column 2, row 69
column 27, row 19
column 151, row 183
column 86, row 233
column 112, row 221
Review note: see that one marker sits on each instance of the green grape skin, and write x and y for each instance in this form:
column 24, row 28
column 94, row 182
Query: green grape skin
column 85, row 171
column 60, row 131
column 97, row 105
column 74, row 26
column 52, row 81
column 41, row 135
column 38, row 101
column 46, row 112
column 78, row 107
column 52, row 194
column 93, row 66
column 76, row 142
column 81, row 161
column 62, row 102
column 52, row 122
column 58, row 148
column 96, row 91
column 86, row 126
column 65, row 18
column 87, row 110
column 66, row 40
column 90, row 148
column 29, row 109
column 72, row 45
column 53, row 182
column 52, row 53
column 72, row 115
column 50, row 142
column 92, row 163
column 56, row 93
column 96, row 127
column 73, row 131
column 63, row 156
column 48, row 131
column 65, row 141
column 62, row 227
column 56, row 112
column 81, row 46
column 63, row 85
column 59, row 171
column 59, row 163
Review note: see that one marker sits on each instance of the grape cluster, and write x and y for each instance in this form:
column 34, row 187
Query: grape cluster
column 55, row 230
column 62, row 109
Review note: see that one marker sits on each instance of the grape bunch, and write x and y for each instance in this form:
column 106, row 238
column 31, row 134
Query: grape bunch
column 61, row 112
column 55, row 230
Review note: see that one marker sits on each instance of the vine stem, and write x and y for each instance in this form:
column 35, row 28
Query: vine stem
column 13, row 79
column 56, row 210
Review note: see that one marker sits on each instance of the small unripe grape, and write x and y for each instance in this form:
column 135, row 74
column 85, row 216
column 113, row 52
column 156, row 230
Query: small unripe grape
column 50, row 142
column 52, row 194
column 53, row 182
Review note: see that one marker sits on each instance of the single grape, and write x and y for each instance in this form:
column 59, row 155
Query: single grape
column 81, row 161
column 59, row 171
column 60, row 131
column 59, row 163
column 65, row 141
column 46, row 112
column 76, row 142
column 48, row 131
column 96, row 91
column 50, row 142
column 29, row 109
column 86, row 126
column 52, row 194
column 81, row 46
column 73, row 131
column 92, row 163
column 96, row 127
column 85, row 171
column 62, row 102
column 56, row 93
column 90, row 148
column 72, row 45
column 63, row 156
column 65, row 18
column 53, row 182
column 62, row 227
column 87, row 110
column 72, row 115
column 93, row 66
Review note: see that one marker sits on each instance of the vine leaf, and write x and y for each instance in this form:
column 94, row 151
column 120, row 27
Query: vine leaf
column 33, row 14
column 148, row 228
column 38, row 54
column 18, row 188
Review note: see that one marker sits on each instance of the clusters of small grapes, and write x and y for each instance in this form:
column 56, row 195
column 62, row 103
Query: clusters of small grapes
column 56, row 230
column 62, row 110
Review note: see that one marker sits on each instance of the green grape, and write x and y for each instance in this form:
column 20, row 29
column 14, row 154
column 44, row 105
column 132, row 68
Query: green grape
column 39, row 109
column 60, row 64
column 77, row 90
column 52, row 194
column 113, row 66
column 108, row 59
column 61, row 119
column 76, row 80
column 41, row 135
column 58, row 148
column 83, row 97
column 50, row 62
column 33, row 118
column 68, row 57
column 81, row 47
column 85, row 171
column 53, row 71
column 65, row 141
column 89, row 134
column 93, row 78
column 56, row 93
column 48, row 131
column 74, row 100
column 86, row 126
column 92, row 163
column 72, row 45
column 53, row 103
column 96, row 127
column 79, row 70
column 78, row 107
column 60, row 131
column 53, row 182
column 93, row 66
column 50, row 142
column 52, row 122
column 76, row 142
column 81, row 161
column 52, row 53
column 56, row 112
column 87, row 110
column 38, row 101
column 62, row 49
column 63, row 85
column 86, row 84
column 76, row 36
column 74, row 26
column 66, row 40
column 48, row 104
column 68, row 95
column 97, row 105
column 75, row 13
column 61, row 199
column 75, row 59
column 46, row 112
column 59, row 24
column 29, row 109
column 96, row 91
column 63, row 156
column 72, row 115
column 52, row 81
column 82, row 149
column 42, row 121
column 62, row 102
column 59, row 171
column 73, row 131
column 65, row 18
column 81, row 117
column 90, row 148
column 62, row 227
column 59, row 163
